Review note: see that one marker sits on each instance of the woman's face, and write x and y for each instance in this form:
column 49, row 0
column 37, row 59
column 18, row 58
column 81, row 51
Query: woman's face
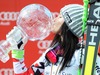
column 57, row 23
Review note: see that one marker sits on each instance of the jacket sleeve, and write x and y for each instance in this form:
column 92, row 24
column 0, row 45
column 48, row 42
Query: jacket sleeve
column 97, row 67
column 37, row 68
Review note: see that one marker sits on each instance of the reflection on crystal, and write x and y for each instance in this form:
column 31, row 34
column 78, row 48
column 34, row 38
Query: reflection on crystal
column 35, row 20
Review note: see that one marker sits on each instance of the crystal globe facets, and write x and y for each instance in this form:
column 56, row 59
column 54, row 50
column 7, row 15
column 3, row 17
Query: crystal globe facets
column 35, row 21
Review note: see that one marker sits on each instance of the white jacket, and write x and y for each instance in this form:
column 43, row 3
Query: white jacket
column 42, row 67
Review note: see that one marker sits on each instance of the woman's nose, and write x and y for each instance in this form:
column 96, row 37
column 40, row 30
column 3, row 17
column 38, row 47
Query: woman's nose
column 55, row 14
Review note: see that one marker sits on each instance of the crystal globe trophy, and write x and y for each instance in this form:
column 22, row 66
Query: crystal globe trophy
column 34, row 22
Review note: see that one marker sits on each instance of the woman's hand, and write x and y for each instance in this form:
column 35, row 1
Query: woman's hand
column 17, row 39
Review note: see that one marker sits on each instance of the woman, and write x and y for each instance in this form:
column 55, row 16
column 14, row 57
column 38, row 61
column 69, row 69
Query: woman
column 63, row 56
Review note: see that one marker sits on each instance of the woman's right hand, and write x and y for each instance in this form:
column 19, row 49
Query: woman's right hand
column 17, row 42
column 20, row 45
column 17, row 39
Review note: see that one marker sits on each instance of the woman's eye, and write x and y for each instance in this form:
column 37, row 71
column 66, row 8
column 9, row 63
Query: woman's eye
column 60, row 16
